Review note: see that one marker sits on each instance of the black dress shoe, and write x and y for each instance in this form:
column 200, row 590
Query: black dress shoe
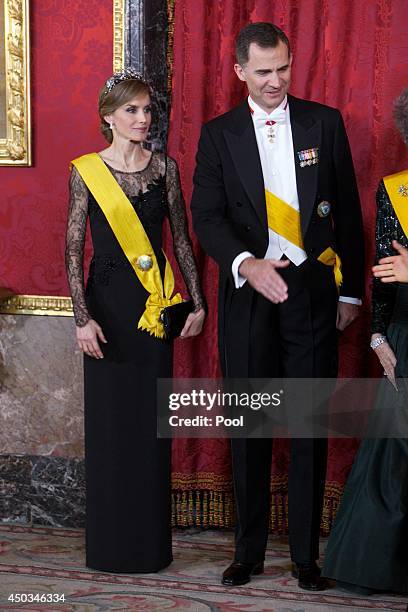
column 313, row 565
column 309, row 577
column 240, row 573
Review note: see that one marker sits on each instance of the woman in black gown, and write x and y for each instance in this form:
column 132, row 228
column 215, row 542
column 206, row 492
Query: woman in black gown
column 128, row 513
column 367, row 549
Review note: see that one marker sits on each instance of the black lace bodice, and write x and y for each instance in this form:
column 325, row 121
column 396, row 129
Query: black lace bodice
column 388, row 228
column 155, row 193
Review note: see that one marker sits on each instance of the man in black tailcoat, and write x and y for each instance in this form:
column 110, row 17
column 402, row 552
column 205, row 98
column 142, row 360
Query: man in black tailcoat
column 276, row 205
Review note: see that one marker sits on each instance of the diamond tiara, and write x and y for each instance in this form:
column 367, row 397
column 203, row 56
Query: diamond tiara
column 126, row 74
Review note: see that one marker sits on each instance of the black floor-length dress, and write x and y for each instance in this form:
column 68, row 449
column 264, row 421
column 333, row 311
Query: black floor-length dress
column 368, row 546
column 127, row 468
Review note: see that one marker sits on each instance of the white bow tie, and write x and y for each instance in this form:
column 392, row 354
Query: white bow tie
column 277, row 116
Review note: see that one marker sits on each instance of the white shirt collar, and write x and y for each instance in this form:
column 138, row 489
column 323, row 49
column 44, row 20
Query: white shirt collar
column 259, row 112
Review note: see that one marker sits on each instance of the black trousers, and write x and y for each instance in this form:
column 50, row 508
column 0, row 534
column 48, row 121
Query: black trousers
column 295, row 339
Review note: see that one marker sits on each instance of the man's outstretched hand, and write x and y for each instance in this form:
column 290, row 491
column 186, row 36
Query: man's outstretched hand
column 262, row 275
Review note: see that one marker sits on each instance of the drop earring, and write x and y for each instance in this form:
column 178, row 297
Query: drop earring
column 111, row 125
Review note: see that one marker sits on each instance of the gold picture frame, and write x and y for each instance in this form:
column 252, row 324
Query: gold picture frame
column 15, row 119
column 37, row 305
column 119, row 15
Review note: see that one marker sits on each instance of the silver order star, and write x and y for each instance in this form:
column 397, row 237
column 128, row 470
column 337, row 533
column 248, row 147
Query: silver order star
column 403, row 190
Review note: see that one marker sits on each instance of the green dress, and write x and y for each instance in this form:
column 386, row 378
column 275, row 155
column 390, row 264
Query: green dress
column 367, row 550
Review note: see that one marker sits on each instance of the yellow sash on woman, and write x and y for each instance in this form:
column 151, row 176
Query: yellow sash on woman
column 285, row 221
column 397, row 189
column 132, row 237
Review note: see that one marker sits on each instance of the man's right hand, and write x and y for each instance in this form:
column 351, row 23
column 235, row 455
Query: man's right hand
column 261, row 274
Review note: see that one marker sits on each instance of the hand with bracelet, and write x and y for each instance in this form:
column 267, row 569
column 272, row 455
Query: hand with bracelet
column 386, row 356
column 389, row 270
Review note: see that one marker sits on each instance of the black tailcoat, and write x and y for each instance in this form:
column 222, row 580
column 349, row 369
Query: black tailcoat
column 228, row 203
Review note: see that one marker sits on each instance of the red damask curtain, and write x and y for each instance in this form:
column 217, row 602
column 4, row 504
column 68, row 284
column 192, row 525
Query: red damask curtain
column 351, row 54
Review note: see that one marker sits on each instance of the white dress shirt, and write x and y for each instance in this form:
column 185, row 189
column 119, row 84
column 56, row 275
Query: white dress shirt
column 279, row 174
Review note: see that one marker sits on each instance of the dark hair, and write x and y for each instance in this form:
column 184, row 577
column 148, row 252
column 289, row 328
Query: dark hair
column 121, row 93
column 263, row 34
column 401, row 114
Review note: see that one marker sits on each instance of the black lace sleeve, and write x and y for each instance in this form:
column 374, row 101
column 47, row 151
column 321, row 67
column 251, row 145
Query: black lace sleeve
column 74, row 251
column 388, row 228
column 181, row 240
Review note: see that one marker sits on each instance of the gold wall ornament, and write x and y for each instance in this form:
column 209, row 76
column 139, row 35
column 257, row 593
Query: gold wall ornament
column 15, row 116
column 37, row 305
column 170, row 44
column 119, row 13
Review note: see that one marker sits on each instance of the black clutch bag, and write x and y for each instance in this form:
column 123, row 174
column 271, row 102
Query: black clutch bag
column 174, row 318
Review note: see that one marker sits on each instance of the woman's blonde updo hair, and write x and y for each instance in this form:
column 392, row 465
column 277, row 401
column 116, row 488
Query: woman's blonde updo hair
column 119, row 89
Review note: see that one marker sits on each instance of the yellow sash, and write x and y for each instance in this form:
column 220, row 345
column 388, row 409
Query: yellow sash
column 132, row 237
column 329, row 257
column 396, row 185
column 285, row 221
